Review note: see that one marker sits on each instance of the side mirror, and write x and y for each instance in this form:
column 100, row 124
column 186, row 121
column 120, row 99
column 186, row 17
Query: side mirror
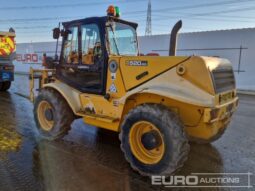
column 56, row 33
column 65, row 33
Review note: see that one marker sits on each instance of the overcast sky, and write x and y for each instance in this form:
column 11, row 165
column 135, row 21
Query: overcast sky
column 34, row 20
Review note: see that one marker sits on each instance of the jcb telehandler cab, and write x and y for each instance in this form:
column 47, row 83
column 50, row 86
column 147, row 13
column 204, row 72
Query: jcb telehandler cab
column 156, row 103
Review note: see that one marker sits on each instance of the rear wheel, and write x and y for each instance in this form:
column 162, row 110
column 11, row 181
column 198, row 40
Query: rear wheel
column 153, row 140
column 53, row 115
column 4, row 86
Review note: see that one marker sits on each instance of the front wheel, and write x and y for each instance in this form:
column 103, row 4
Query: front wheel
column 153, row 140
column 52, row 114
column 4, row 86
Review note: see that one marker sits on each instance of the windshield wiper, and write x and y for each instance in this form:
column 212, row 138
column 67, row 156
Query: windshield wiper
column 114, row 39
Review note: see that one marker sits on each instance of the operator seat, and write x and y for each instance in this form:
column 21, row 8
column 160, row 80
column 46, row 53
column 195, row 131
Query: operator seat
column 88, row 58
column 73, row 57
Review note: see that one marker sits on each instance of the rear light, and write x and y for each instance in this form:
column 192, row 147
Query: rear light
column 223, row 98
column 211, row 114
column 214, row 113
column 8, row 67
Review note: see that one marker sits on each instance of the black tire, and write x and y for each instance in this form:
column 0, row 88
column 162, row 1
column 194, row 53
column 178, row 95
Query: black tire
column 63, row 115
column 1, row 86
column 169, row 124
column 4, row 86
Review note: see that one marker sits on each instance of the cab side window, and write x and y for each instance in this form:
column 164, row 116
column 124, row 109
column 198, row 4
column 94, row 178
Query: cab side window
column 71, row 47
column 83, row 60
column 91, row 45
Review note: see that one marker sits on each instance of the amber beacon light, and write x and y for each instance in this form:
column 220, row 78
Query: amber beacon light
column 113, row 11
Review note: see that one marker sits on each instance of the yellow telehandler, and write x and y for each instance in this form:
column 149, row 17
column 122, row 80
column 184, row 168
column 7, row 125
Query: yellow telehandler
column 156, row 103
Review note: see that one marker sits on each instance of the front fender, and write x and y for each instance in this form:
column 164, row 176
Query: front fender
column 71, row 95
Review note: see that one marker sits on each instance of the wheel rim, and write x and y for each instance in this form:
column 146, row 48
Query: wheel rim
column 138, row 147
column 45, row 122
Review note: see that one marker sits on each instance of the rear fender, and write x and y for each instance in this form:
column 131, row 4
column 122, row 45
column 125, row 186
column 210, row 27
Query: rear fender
column 172, row 85
column 185, row 92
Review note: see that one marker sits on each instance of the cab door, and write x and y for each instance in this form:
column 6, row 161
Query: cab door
column 83, row 58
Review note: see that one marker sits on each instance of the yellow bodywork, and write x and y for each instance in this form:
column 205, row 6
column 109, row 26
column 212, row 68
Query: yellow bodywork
column 183, row 84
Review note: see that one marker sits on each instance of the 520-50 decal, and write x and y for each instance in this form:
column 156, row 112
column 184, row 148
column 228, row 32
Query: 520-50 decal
column 136, row 63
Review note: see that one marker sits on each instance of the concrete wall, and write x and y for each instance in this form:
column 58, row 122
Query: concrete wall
column 224, row 44
column 30, row 55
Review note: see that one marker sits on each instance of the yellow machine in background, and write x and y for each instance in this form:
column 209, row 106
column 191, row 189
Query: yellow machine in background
column 156, row 103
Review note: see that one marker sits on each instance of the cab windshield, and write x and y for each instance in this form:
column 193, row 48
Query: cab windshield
column 122, row 39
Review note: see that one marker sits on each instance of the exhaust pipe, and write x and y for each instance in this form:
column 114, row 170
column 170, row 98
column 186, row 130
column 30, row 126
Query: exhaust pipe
column 173, row 38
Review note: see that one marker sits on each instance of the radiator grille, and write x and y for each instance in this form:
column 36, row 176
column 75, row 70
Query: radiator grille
column 224, row 79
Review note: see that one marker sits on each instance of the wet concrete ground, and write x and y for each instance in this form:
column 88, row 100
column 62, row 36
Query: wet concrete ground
column 90, row 159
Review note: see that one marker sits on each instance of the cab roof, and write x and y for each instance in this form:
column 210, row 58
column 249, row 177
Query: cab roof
column 101, row 20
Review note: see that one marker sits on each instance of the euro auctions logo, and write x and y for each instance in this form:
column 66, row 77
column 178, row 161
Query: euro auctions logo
column 205, row 180
column 175, row 180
